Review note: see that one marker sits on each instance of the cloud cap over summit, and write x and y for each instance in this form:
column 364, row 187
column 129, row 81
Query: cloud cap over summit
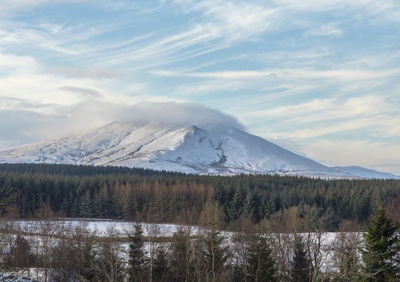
column 177, row 114
column 92, row 114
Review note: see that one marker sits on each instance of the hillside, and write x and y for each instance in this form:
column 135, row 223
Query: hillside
column 209, row 150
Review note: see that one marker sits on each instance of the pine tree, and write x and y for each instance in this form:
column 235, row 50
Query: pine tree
column 300, row 268
column 137, row 260
column 379, row 252
column 260, row 265
column 397, row 255
column 19, row 255
column 181, row 267
column 88, row 260
column 160, row 268
column 215, row 254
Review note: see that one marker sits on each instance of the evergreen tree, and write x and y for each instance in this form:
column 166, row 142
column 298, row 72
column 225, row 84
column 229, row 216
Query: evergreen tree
column 160, row 268
column 260, row 265
column 397, row 255
column 19, row 255
column 300, row 268
column 7, row 197
column 215, row 254
column 88, row 260
column 379, row 252
column 181, row 267
column 137, row 260
column 79, row 191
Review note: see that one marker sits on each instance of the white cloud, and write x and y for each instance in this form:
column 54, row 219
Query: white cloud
column 320, row 117
column 12, row 6
column 331, row 108
column 56, row 72
column 325, row 30
column 82, row 91
column 286, row 74
column 170, row 113
column 383, row 8
column 237, row 20
column 27, row 126
column 91, row 73
column 376, row 155
column 209, row 86
column 17, row 64
column 37, row 89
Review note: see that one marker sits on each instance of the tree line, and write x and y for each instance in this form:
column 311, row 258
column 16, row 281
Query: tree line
column 145, row 195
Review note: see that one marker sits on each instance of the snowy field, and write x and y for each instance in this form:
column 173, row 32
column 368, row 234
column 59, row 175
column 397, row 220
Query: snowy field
column 101, row 227
column 107, row 227
column 322, row 245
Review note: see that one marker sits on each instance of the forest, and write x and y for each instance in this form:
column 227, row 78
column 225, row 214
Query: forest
column 236, row 228
column 30, row 190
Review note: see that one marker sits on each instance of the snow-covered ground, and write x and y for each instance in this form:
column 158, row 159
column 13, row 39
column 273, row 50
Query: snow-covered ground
column 105, row 227
column 323, row 244
column 9, row 277
column 189, row 149
column 101, row 227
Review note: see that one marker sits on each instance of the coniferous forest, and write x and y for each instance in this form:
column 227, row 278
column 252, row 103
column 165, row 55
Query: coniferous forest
column 152, row 196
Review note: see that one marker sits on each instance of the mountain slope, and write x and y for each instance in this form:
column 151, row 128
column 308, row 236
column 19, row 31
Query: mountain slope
column 365, row 172
column 206, row 150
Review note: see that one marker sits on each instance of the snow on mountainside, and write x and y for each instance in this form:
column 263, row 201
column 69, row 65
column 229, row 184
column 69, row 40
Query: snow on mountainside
column 365, row 172
column 207, row 150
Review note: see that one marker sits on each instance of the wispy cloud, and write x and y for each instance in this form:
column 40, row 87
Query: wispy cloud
column 300, row 70
column 333, row 108
column 11, row 6
column 237, row 20
column 320, row 117
column 325, row 30
column 16, row 64
column 378, row 155
column 83, row 91
column 91, row 73
column 344, row 74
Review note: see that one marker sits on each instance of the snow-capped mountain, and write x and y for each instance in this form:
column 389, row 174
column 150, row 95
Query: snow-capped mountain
column 191, row 149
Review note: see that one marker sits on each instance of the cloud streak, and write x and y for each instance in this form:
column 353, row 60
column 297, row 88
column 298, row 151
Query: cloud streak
column 305, row 71
column 344, row 74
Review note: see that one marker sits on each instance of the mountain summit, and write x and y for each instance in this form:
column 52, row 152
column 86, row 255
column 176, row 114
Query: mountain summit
column 219, row 150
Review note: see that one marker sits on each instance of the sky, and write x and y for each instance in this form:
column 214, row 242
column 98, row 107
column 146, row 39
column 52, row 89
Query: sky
column 318, row 77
